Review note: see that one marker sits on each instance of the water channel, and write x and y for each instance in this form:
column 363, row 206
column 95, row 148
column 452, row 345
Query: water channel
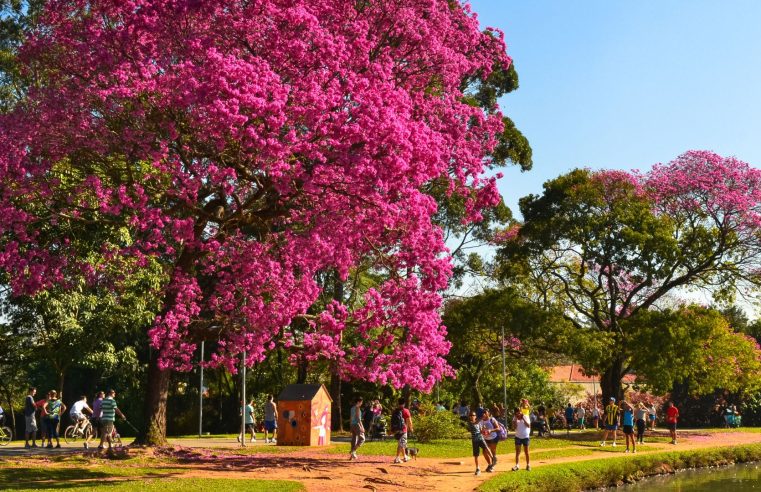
column 737, row 478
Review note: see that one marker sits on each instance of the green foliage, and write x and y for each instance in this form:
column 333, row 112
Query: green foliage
column 692, row 345
column 433, row 425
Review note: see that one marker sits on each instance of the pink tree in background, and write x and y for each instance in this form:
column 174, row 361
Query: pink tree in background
column 250, row 147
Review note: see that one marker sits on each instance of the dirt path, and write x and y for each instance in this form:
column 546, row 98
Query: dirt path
column 323, row 472
column 331, row 473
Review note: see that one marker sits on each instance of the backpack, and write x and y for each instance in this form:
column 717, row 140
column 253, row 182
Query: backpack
column 397, row 421
column 501, row 431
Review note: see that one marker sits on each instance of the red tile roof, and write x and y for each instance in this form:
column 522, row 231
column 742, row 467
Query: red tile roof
column 575, row 374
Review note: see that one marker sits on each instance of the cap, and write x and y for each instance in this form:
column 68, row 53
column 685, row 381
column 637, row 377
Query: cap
column 612, row 399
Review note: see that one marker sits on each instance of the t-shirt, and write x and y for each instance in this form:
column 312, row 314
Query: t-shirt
column 108, row 409
column 671, row 415
column 406, row 415
column 53, row 407
column 463, row 410
column 581, row 412
column 249, row 414
column 611, row 414
column 77, row 407
column 522, row 427
column 628, row 417
column 475, row 431
column 652, row 411
column 96, row 412
column 269, row 411
column 641, row 414
column 595, row 412
column 29, row 406
column 569, row 413
column 491, row 426
column 355, row 415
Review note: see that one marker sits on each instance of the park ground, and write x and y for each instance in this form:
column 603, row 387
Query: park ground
column 218, row 463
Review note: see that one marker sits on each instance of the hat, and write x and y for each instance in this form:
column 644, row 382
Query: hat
column 612, row 399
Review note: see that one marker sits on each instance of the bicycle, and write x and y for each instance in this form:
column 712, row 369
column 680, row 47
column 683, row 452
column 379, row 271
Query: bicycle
column 81, row 430
column 6, row 434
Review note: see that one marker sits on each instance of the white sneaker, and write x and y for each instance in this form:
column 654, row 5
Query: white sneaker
column 614, row 444
column 397, row 461
column 406, row 458
column 528, row 467
column 516, row 468
column 634, row 452
column 478, row 471
column 602, row 443
column 273, row 441
column 253, row 439
column 266, row 441
column 237, row 438
column 627, row 450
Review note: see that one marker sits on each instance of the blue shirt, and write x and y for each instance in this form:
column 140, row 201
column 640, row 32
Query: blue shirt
column 569, row 413
column 628, row 417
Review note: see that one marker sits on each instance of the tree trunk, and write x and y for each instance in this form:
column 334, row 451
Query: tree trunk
column 610, row 382
column 476, row 391
column 154, row 432
column 335, row 393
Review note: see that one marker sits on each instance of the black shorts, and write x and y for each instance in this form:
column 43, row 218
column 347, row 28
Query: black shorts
column 249, row 427
column 478, row 446
column 671, row 426
column 628, row 429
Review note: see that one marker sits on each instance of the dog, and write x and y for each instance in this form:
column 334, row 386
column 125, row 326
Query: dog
column 412, row 452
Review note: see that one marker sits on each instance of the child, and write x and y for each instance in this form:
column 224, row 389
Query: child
column 477, row 439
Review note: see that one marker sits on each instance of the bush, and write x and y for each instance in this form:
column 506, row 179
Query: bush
column 431, row 424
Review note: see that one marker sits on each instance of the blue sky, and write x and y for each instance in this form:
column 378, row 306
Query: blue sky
column 625, row 84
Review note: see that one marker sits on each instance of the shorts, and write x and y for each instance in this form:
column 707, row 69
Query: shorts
column 401, row 437
column 628, row 429
column 270, row 425
column 580, row 422
column 521, row 441
column 611, row 427
column 31, row 424
column 106, row 427
column 249, row 427
column 478, row 446
column 652, row 418
column 76, row 417
column 492, row 442
column 671, row 426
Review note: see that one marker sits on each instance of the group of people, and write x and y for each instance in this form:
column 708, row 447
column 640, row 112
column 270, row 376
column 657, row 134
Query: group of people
column 270, row 420
column 51, row 410
column 401, row 426
column 627, row 415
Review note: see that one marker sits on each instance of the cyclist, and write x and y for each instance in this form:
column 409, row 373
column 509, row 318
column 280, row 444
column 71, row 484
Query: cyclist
column 109, row 410
column 77, row 414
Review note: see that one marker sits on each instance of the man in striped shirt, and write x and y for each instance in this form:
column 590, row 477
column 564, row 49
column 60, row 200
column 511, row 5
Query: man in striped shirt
column 109, row 411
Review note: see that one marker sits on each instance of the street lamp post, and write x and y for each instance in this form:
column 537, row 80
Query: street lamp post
column 504, row 376
column 200, row 397
column 243, row 401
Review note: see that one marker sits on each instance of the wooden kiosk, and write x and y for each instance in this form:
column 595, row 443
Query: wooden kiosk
column 303, row 415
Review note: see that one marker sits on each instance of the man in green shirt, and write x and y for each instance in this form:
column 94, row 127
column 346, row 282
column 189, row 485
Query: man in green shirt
column 109, row 411
column 250, row 420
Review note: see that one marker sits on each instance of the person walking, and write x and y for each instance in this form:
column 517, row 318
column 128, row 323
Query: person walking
column 30, row 420
column 627, row 420
column 610, row 420
column 640, row 420
column 478, row 442
column 53, row 408
column 357, row 428
column 270, row 419
column 596, row 416
column 568, row 418
column 109, row 410
column 581, row 414
column 672, row 416
column 95, row 417
column 250, row 421
column 490, row 430
column 463, row 411
column 401, row 423
column 522, row 426
column 653, row 415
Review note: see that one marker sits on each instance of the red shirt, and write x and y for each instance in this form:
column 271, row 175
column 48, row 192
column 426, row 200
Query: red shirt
column 406, row 416
column 671, row 414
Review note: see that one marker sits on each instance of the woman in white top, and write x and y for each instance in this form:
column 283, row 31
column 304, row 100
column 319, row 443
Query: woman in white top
column 596, row 416
column 522, row 426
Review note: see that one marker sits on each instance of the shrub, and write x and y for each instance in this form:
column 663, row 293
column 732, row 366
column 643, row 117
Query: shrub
column 430, row 425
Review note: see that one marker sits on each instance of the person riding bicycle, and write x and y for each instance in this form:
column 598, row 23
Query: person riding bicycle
column 77, row 413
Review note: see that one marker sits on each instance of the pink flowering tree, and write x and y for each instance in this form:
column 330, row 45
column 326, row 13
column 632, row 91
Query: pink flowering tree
column 605, row 246
column 252, row 149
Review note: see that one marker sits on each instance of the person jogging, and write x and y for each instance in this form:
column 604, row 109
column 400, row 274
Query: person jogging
column 522, row 426
column 357, row 428
column 109, row 411
column 610, row 420
column 29, row 419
